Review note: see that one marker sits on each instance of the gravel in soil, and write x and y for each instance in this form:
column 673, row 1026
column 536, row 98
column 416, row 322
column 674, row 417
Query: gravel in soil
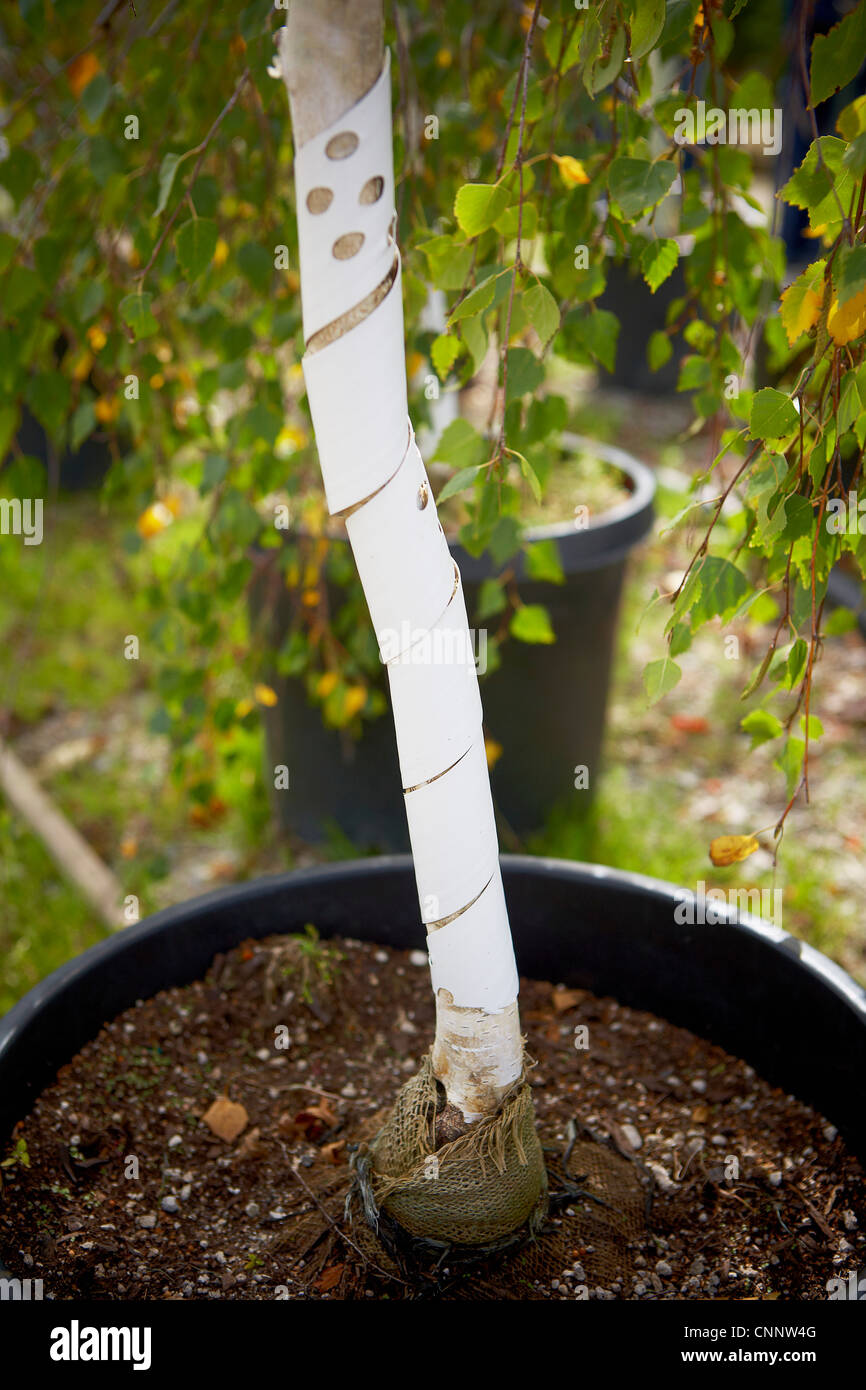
column 198, row 1147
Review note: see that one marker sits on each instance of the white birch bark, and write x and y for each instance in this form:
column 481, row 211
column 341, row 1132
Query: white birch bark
column 331, row 57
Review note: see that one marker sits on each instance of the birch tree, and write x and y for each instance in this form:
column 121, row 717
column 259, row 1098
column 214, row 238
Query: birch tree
column 337, row 74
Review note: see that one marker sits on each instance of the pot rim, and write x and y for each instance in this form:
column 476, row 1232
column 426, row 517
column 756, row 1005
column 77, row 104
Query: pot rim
column 608, row 538
column 743, row 982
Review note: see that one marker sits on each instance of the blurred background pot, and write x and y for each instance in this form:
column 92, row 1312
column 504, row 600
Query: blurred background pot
column 544, row 706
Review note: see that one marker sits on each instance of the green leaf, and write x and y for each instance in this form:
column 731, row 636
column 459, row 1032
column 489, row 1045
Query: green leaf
column 681, row 639
column 762, row 726
column 195, row 244
column 598, row 332
column 527, row 220
column 459, row 483
column 657, row 261
column 638, row 184
column 529, row 474
column 95, row 96
column 542, row 311
column 531, row 623
column 449, row 262
column 821, row 184
column 461, row 445
column 215, row 469
column 543, row 562
column 849, row 271
column 82, row 425
column 491, row 599
column 525, row 373
column 722, row 590
column 796, row 663
column 790, row 762
column 837, row 56
column 49, row 253
column 773, row 415
column 20, row 287
column 7, row 249
column 474, row 335
column 444, row 353
column 505, row 539
column 478, row 205
column 647, row 23
column 257, row 265
column 659, row 350
column 135, row 311
column 8, row 426
column 167, row 170
column 476, row 301
column 659, row 677
column 816, row 728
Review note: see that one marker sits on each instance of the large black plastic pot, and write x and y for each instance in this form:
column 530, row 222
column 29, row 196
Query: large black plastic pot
column 797, row 1018
column 545, row 705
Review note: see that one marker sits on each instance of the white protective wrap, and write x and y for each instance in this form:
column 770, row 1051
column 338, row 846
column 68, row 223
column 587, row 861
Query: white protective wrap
column 453, row 835
column 373, row 473
column 330, row 286
column 435, row 695
column 480, row 940
column 402, row 556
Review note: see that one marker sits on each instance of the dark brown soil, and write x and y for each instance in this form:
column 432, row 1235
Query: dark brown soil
column 115, row 1186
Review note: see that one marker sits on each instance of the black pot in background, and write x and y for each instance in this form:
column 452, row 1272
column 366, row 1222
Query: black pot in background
column 545, row 705
column 788, row 1011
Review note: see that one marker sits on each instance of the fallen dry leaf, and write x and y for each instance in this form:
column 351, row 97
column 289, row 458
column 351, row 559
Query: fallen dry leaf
column 329, row 1278
column 226, row 1118
column 730, row 849
column 690, row 723
column 332, row 1151
column 567, row 999
column 250, row 1147
column 700, row 1114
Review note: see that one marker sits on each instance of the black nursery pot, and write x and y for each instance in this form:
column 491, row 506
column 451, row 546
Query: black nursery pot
column 793, row 1015
column 545, row 705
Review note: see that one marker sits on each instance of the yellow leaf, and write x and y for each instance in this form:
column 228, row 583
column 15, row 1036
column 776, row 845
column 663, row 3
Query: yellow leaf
column 81, row 369
column 154, row 519
column 443, row 58
column 265, row 695
column 493, row 751
column 800, row 309
column 699, row 18
column 220, row 252
column 414, row 363
column 310, row 598
column 730, row 849
column 157, row 380
column 356, row 698
column 848, row 320
column 106, row 408
column 96, row 337
column 325, row 684
column 243, row 707
column 289, row 440
column 314, row 516
column 173, row 502
column 293, row 280
column 571, row 169
column 226, row 1118
column 82, row 71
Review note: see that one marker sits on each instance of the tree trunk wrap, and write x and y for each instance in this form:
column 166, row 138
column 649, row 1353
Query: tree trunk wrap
column 374, row 477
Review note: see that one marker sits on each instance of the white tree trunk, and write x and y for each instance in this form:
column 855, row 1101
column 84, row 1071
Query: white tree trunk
column 331, row 58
